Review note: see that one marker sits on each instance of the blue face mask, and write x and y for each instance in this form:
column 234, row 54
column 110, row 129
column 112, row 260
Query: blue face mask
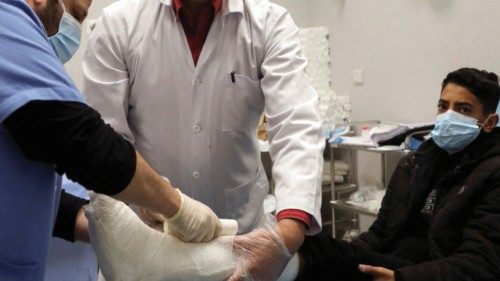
column 67, row 39
column 454, row 131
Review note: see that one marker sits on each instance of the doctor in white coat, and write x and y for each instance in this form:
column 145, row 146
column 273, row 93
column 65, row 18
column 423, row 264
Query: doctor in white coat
column 186, row 82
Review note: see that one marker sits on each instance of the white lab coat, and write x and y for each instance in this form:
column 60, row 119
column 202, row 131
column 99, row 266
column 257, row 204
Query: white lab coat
column 197, row 126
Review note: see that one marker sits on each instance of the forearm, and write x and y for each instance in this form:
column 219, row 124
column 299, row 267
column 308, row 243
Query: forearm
column 150, row 190
column 293, row 233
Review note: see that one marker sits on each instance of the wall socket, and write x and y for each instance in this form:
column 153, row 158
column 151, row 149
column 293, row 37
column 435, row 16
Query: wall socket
column 357, row 76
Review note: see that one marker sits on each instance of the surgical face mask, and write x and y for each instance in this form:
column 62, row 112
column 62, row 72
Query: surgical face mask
column 67, row 39
column 454, row 131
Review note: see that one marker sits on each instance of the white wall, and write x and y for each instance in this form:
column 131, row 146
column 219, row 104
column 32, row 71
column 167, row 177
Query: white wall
column 299, row 9
column 405, row 47
column 74, row 66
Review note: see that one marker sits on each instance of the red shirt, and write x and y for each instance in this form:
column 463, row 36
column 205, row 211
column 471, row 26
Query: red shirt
column 196, row 28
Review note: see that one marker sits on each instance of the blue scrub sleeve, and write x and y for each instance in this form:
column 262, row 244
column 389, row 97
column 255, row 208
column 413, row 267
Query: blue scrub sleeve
column 29, row 68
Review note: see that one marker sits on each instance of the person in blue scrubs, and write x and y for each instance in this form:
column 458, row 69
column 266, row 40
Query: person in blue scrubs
column 68, row 260
column 45, row 127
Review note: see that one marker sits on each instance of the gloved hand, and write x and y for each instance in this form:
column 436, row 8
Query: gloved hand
column 264, row 255
column 194, row 222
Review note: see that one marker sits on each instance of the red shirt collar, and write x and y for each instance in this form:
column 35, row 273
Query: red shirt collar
column 217, row 4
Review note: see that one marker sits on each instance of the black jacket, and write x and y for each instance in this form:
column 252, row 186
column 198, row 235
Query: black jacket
column 464, row 236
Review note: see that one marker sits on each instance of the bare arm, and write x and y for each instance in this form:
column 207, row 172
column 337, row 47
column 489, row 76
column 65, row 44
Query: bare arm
column 150, row 190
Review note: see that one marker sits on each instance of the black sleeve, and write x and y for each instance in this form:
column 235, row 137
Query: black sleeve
column 324, row 256
column 398, row 276
column 73, row 137
column 69, row 206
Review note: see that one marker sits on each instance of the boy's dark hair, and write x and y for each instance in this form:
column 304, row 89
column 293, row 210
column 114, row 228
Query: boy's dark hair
column 484, row 85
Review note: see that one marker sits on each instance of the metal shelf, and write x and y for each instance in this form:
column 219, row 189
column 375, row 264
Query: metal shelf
column 327, row 223
column 341, row 204
column 370, row 148
column 341, row 188
column 344, row 225
column 345, row 190
column 339, row 207
column 345, row 187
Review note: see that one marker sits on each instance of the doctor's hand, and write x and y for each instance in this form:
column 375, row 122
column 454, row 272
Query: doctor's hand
column 378, row 273
column 264, row 252
column 194, row 222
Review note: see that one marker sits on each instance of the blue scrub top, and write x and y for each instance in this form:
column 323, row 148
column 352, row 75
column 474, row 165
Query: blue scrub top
column 29, row 70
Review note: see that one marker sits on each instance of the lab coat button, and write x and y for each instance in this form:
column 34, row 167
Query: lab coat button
column 197, row 82
column 196, row 128
column 196, row 175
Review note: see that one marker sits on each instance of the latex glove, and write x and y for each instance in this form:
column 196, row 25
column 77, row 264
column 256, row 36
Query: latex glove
column 378, row 273
column 263, row 253
column 194, row 222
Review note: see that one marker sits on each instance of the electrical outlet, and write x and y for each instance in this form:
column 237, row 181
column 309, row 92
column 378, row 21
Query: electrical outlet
column 357, row 76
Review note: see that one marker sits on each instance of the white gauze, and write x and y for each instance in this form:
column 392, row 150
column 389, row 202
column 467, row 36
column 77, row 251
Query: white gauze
column 128, row 249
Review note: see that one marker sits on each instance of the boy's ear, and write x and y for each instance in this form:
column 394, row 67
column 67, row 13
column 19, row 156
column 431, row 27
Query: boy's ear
column 491, row 123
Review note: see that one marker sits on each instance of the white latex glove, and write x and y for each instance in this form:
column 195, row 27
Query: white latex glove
column 194, row 222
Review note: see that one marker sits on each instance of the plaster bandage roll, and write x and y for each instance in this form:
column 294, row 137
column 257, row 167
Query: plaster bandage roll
column 229, row 227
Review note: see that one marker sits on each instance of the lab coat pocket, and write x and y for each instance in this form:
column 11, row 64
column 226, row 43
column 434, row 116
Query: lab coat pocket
column 242, row 103
column 245, row 202
column 12, row 271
